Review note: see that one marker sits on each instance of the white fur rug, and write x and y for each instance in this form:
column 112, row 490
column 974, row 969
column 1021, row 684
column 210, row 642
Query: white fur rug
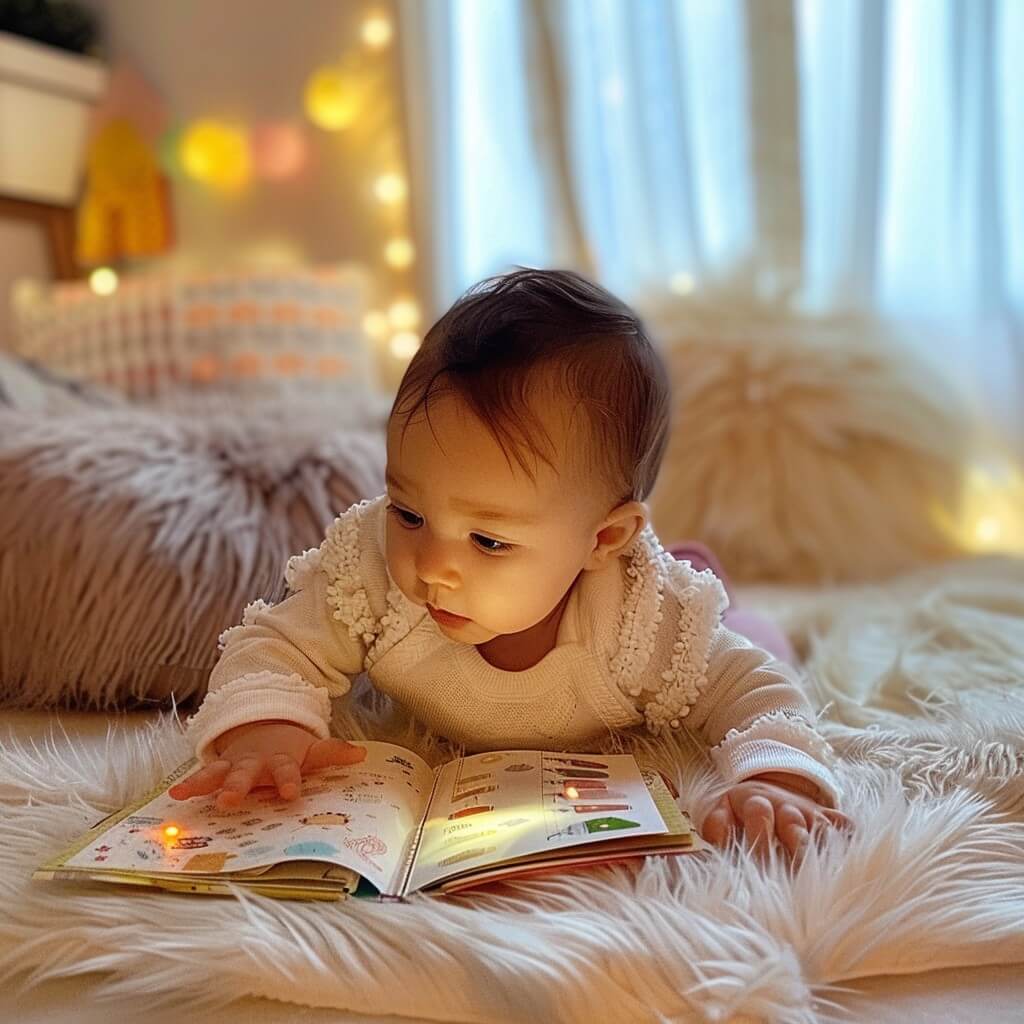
column 923, row 685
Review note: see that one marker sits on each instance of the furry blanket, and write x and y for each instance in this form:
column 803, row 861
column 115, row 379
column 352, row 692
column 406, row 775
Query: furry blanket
column 921, row 685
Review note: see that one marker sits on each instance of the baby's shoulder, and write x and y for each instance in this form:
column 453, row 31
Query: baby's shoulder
column 357, row 587
column 668, row 614
column 652, row 594
column 351, row 553
column 654, row 576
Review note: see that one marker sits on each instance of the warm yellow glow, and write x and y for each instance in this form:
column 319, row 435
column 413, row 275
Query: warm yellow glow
column 682, row 283
column 389, row 188
column 26, row 292
column 271, row 254
column 216, row 154
column 404, row 345
column 992, row 508
column 988, row 530
column 376, row 31
column 171, row 830
column 572, row 792
column 399, row 253
column 376, row 324
column 404, row 314
column 103, row 281
column 331, row 100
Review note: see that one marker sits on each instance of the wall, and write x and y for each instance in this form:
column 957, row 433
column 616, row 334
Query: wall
column 250, row 60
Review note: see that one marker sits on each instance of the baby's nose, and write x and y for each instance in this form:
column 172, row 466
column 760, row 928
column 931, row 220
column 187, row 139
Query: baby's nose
column 436, row 566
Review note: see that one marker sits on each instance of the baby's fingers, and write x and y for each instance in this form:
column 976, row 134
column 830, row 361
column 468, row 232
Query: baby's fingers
column 286, row 773
column 239, row 781
column 719, row 823
column 206, row 780
column 758, row 822
column 791, row 827
column 332, row 751
column 836, row 819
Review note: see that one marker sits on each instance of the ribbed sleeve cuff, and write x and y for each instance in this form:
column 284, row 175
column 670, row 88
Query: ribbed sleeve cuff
column 741, row 760
column 252, row 698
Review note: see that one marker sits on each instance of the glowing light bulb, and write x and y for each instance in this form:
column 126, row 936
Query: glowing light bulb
column 216, row 154
column 399, row 253
column 991, row 513
column 404, row 345
column 404, row 314
column 572, row 792
column 376, row 324
column 988, row 530
column 389, row 188
column 171, row 830
column 103, row 281
column 376, row 31
column 331, row 101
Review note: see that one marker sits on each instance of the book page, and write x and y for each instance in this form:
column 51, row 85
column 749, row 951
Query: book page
column 489, row 808
column 357, row 816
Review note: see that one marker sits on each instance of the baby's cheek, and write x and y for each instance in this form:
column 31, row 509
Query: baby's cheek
column 518, row 604
column 400, row 564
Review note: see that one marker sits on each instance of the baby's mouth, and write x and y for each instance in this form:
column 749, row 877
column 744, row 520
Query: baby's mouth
column 446, row 618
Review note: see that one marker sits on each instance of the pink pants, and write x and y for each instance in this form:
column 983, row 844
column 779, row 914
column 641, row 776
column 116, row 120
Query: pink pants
column 757, row 628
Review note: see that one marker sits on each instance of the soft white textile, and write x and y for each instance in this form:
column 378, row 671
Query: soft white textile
column 932, row 877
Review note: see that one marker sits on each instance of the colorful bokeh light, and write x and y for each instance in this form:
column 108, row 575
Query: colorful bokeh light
column 217, row 154
column 279, row 150
column 332, row 100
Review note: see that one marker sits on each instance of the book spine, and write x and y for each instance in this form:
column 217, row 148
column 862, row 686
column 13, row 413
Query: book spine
column 412, row 847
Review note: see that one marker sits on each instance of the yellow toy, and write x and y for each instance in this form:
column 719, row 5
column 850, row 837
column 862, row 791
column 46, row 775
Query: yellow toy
column 125, row 211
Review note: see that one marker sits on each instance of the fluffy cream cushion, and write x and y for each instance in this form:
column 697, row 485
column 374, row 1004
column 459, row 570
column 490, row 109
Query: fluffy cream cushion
column 132, row 538
column 804, row 449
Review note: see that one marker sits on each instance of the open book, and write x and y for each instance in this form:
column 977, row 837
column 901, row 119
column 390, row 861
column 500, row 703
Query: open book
column 389, row 826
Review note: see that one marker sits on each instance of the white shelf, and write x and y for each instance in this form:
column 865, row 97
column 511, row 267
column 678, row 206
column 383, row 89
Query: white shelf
column 46, row 96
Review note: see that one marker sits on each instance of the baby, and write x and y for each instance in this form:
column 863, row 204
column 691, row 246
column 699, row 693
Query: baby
column 507, row 589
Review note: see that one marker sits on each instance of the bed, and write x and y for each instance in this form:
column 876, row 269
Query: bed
column 922, row 688
column 917, row 675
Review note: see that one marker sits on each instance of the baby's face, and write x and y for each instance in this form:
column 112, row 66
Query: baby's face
column 501, row 572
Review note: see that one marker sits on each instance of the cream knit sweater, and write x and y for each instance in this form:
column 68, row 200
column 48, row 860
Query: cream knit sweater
column 639, row 643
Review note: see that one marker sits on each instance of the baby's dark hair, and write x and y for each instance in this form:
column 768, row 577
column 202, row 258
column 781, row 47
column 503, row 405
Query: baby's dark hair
column 488, row 348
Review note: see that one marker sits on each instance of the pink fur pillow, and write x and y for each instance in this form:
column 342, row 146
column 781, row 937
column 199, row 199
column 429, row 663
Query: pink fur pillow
column 132, row 538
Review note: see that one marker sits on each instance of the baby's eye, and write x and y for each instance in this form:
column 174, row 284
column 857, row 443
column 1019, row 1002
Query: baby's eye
column 411, row 520
column 408, row 518
column 490, row 544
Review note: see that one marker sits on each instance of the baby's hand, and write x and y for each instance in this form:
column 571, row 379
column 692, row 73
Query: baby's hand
column 264, row 754
column 765, row 807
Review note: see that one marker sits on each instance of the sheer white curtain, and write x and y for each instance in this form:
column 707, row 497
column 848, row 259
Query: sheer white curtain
column 828, row 153
column 654, row 136
column 477, row 188
column 912, row 149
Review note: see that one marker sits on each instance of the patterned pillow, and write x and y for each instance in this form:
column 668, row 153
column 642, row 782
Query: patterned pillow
column 169, row 339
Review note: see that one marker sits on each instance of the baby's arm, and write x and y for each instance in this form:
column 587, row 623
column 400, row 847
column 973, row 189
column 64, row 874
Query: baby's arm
column 283, row 663
column 759, row 723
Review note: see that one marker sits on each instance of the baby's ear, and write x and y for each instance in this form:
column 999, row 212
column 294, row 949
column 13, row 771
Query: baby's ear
column 617, row 531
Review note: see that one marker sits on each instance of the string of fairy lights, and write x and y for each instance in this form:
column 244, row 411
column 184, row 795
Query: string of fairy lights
column 354, row 99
